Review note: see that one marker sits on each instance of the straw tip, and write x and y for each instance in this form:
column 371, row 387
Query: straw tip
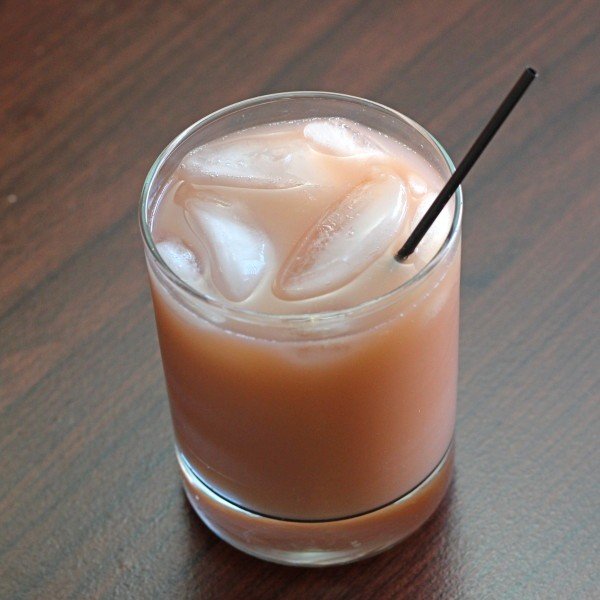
column 532, row 71
column 401, row 255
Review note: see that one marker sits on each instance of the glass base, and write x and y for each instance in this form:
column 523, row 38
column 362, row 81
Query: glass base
column 318, row 543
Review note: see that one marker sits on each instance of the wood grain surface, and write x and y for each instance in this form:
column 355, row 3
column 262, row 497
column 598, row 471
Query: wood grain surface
column 91, row 91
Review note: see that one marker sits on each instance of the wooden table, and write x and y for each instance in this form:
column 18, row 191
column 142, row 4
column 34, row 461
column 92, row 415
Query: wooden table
column 90, row 92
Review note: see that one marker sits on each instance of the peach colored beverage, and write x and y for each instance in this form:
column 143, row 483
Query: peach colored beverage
column 312, row 378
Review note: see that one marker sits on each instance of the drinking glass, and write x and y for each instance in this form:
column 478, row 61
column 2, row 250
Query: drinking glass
column 317, row 438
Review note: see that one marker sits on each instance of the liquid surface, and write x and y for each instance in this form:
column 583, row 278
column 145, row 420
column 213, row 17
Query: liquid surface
column 298, row 216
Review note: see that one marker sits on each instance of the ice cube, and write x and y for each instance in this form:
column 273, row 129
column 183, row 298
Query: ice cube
column 338, row 137
column 271, row 161
column 417, row 185
column 238, row 251
column 351, row 235
column 182, row 261
column 437, row 233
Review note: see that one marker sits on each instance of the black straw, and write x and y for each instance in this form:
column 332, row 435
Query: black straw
column 468, row 161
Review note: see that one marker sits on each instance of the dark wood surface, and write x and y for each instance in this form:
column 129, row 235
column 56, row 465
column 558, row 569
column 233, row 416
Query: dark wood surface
column 90, row 92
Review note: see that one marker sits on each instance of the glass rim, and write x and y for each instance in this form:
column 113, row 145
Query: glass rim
column 304, row 316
